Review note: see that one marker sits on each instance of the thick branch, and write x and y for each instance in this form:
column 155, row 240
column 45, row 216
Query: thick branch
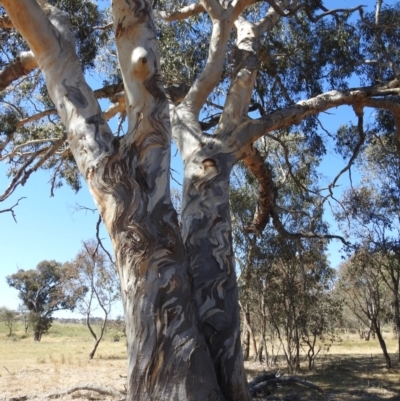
column 53, row 47
column 266, row 190
column 21, row 66
column 251, row 130
column 237, row 101
column 181, row 14
column 247, row 62
column 211, row 74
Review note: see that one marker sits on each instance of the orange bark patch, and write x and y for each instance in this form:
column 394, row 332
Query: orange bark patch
column 207, row 163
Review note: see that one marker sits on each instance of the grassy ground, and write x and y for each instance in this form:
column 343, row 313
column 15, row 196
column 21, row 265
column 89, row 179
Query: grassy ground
column 353, row 369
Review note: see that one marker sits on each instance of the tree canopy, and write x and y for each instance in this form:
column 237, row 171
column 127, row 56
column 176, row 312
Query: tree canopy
column 44, row 291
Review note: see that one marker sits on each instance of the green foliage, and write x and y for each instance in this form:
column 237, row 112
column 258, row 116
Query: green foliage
column 285, row 283
column 9, row 317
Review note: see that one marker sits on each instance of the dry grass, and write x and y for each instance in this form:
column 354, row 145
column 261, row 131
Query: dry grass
column 59, row 361
column 353, row 370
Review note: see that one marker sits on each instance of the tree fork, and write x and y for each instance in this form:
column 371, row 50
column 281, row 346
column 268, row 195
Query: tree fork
column 129, row 180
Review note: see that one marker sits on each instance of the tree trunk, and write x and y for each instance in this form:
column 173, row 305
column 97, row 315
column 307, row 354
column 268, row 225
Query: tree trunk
column 37, row 336
column 129, row 180
column 382, row 343
column 397, row 313
column 246, row 341
column 297, row 345
column 206, row 230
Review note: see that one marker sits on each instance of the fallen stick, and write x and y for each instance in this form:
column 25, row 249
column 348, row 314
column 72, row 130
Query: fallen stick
column 264, row 385
column 86, row 387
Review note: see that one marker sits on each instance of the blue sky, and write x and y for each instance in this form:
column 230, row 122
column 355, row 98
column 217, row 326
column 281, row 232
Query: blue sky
column 50, row 228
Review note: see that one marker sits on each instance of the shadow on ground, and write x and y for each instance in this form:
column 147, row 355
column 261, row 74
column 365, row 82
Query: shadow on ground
column 342, row 378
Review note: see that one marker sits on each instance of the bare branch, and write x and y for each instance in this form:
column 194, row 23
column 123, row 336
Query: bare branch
column 23, row 173
column 268, row 22
column 11, row 209
column 99, row 241
column 211, row 74
column 308, row 235
column 181, row 14
column 103, row 28
column 307, row 10
column 378, row 11
column 247, row 63
column 109, row 91
column 213, row 8
column 245, row 72
column 35, row 117
column 250, row 130
column 356, row 151
column 272, row 382
column 87, row 387
column 15, row 150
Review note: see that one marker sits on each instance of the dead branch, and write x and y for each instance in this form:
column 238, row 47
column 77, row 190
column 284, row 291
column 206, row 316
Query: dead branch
column 5, row 367
column 99, row 241
column 265, row 382
column 356, row 151
column 11, row 210
column 85, row 387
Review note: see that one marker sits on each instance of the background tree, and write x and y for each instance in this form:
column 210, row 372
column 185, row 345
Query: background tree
column 365, row 293
column 23, row 313
column 285, row 284
column 44, row 291
column 8, row 317
column 240, row 71
column 93, row 271
column 369, row 214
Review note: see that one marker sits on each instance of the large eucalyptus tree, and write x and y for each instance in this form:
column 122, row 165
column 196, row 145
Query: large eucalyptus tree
column 249, row 70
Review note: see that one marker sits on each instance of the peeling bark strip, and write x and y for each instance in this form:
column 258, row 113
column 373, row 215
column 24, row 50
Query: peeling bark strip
column 267, row 191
